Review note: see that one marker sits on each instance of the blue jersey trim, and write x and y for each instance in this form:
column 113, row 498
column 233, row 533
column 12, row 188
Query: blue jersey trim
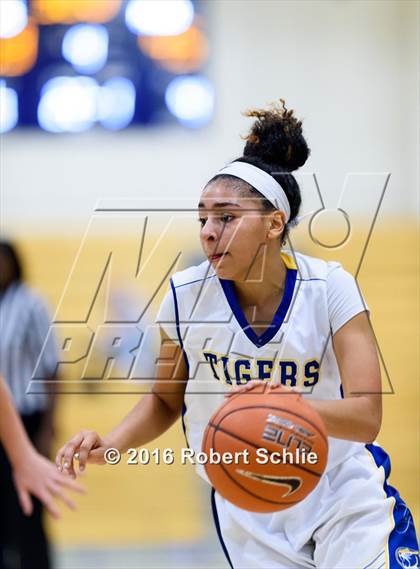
column 403, row 534
column 260, row 341
column 184, row 353
column 184, row 428
column 217, row 524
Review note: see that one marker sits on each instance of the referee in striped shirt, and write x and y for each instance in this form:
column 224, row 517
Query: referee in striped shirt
column 24, row 325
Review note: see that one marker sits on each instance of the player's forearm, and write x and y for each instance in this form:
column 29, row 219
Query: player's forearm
column 12, row 433
column 150, row 418
column 352, row 418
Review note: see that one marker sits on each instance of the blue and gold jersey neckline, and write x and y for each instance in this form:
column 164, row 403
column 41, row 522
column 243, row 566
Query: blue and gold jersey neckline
column 280, row 314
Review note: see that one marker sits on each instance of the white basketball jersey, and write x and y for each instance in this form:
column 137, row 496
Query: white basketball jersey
column 202, row 314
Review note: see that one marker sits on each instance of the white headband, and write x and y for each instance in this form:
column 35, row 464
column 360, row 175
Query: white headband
column 261, row 181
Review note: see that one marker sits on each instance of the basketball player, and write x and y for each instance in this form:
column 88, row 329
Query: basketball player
column 256, row 312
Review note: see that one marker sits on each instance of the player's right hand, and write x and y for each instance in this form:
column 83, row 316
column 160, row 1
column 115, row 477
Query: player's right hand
column 86, row 447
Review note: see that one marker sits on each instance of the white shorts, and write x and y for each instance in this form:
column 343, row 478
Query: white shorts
column 353, row 519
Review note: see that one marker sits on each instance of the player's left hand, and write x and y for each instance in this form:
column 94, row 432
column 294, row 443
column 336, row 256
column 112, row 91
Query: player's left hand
column 251, row 384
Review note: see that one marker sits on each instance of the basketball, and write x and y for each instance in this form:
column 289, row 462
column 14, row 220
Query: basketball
column 274, row 446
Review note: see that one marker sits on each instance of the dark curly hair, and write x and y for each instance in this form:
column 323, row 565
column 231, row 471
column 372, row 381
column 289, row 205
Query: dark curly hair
column 276, row 145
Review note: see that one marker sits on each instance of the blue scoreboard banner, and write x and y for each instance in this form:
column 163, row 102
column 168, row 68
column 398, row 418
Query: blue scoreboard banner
column 71, row 65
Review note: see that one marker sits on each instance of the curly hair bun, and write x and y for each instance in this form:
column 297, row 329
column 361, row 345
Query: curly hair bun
column 276, row 137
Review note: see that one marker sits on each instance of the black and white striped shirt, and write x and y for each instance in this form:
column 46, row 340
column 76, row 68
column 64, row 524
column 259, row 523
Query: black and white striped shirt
column 24, row 325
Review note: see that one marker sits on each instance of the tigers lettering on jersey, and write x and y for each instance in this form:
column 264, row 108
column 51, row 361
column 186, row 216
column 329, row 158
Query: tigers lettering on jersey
column 239, row 371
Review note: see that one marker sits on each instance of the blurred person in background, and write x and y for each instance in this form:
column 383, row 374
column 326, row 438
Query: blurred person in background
column 32, row 473
column 24, row 325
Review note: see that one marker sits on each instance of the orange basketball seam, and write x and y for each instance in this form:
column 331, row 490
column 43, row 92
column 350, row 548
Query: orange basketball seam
column 256, row 446
column 276, row 409
column 237, row 483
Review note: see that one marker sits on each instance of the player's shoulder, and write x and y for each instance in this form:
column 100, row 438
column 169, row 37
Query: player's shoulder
column 313, row 268
column 193, row 278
